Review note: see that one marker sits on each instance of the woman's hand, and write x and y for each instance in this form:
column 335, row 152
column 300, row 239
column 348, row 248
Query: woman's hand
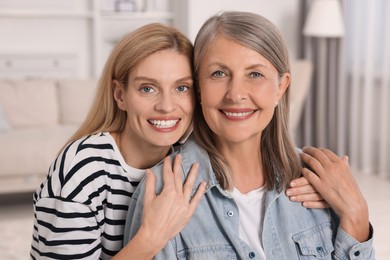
column 166, row 214
column 331, row 176
column 302, row 191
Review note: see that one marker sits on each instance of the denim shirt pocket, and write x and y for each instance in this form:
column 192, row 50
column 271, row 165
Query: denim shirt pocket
column 315, row 243
column 216, row 252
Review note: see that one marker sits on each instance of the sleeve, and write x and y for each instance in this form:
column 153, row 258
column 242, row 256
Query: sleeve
column 346, row 247
column 65, row 230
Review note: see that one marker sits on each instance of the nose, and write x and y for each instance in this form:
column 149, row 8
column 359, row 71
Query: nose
column 236, row 91
column 165, row 103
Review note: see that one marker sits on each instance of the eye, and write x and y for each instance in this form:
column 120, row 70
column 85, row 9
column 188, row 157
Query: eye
column 255, row 74
column 218, row 74
column 147, row 89
column 182, row 88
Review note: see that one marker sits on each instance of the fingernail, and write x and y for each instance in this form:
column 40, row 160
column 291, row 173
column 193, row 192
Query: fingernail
column 293, row 198
column 288, row 193
column 292, row 184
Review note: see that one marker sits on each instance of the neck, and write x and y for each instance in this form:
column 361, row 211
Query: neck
column 139, row 155
column 245, row 163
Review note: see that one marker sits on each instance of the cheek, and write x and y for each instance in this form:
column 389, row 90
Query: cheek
column 187, row 104
column 266, row 96
column 210, row 95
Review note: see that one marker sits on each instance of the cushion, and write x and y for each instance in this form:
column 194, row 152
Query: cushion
column 27, row 151
column 29, row 102
column 4, row 125
column 75, row 100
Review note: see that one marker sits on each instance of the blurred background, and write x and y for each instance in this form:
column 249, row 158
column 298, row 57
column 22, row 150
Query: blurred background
column 52, row 53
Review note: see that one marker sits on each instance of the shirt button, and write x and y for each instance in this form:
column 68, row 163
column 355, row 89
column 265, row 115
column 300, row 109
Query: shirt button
column 252, row 255
column 320, row 249
column 230, row 213
column 357, row 253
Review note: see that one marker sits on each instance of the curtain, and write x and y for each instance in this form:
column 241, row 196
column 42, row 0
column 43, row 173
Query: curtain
column 350, row 115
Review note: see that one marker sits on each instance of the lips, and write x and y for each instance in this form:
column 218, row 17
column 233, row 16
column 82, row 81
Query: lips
column 238, row 114
column 161, row 124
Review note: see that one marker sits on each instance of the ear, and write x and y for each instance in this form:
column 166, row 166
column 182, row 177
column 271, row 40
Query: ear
column 119, row 94
column 284, row 83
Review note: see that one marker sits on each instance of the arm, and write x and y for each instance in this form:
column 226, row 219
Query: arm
column 64, row 229
column 173, row 206
column 333, row 179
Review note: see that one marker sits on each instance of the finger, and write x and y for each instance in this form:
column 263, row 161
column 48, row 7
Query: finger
column 299, row 182
column 197, row 197
column 150, row 184
column 191, row 180
column 307, row 189
column 345, row 159
column 313, row 178
column 331, row 155
column 167, row 172
column 318, row 154
column 316, row 204
column 178, row 173
column 306, row 197
column 312, row 163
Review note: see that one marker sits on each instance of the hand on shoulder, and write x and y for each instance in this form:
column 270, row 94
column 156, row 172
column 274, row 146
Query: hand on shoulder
column 332, row 177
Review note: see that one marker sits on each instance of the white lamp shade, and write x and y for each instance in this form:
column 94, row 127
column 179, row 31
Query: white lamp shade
column 324, row 19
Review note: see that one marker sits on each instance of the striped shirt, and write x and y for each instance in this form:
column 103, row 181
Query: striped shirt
column 81, row 208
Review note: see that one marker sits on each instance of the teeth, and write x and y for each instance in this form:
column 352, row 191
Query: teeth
column 241, row 114
column 163, row 123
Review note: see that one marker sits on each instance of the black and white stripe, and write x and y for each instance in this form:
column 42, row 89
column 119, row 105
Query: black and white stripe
column 80, row 209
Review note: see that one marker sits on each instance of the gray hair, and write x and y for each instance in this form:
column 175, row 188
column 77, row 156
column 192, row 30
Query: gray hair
column 279, row 157
column 248, row 29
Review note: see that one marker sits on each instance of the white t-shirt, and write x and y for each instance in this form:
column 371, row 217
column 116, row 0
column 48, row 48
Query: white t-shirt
column 251, row 209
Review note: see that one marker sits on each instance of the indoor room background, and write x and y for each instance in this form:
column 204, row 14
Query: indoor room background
column 53, row 51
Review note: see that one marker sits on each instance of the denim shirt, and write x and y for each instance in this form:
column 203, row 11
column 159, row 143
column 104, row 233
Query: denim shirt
column 290, row 231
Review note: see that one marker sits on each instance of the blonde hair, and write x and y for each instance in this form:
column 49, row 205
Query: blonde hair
column 104, row 114
column 280, row 159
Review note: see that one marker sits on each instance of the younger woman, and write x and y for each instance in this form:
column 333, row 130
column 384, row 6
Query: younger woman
column 143, row 106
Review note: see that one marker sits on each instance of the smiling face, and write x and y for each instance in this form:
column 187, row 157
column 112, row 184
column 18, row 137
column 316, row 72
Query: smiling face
column 239, row 89
column 159, row 99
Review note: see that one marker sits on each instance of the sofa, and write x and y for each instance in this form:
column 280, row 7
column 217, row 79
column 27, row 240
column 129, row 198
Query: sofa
column 37, row 117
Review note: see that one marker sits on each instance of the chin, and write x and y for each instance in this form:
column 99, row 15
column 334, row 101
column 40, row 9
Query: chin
column 164, row 141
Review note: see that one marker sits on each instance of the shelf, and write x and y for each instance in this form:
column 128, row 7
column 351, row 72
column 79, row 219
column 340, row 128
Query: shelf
column 101, row 27
column 136, row 15
column 69, row 14
column 44, row 14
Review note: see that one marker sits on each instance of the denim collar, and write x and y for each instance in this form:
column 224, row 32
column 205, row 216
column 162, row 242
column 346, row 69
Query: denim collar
column 193, row 153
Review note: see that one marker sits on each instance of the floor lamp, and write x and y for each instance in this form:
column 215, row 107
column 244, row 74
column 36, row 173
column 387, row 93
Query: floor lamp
column 324, row 20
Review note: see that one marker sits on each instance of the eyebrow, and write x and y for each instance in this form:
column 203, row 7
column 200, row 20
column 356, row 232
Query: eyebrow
column 256, row 65
column 252, row 66
column 156, row 81
column 218, row 64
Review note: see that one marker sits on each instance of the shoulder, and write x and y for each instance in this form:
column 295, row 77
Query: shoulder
column 87, row 150
column 78, row 166
column 193, row 153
